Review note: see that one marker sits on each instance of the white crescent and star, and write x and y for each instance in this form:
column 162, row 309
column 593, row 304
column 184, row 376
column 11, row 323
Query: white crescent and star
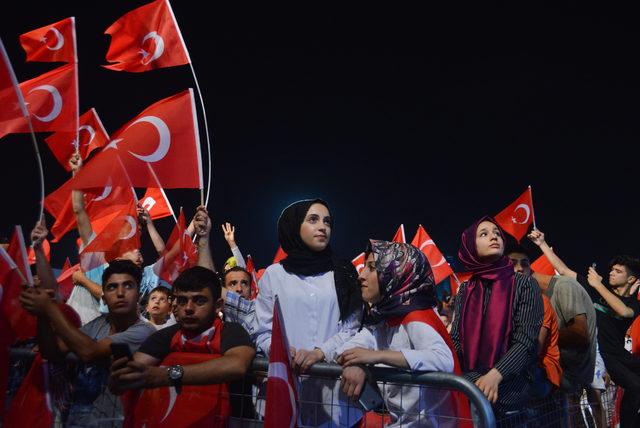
column 148, row 203
column 59, row 39
column 157, row 51
column 426, row 244
column 172, row 401
column 132, row 228
column 90, row 130
column 164, row 142
column 279, row 371
column 57, row 102
column 526, row 209
column 105, row 192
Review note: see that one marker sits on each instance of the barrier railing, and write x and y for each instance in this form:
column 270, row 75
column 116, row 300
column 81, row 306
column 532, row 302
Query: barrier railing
column 249, row 397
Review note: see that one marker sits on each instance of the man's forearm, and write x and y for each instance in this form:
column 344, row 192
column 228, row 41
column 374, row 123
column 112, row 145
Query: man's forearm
column 556, row 262
column 45, row 273
column 82, row 219
column 47, row 341
column 204, row 254
column 79, row 343
column 614, row 302
column 158, row 242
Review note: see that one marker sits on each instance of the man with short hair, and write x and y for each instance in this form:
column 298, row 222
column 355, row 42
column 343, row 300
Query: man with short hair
column 199, row 356
column 238, row 280
column 615, row 307
column 91, row 343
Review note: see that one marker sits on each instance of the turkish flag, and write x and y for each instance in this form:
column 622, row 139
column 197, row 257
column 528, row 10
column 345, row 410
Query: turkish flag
column 52, row 43
column 359, row 262
column 399, row 236
column 145, row 39
column 23, row 324
column 516, row 218
column 119, row 235
column 254, row 281
column 46, row 247
column 91, row 134
column 543, row 265
column 439, row 265
column 280, row 255
column 179, row 254
column 155, row 201
column 14, row 111
column 164, row 136
column 31, row 407
column 18, row 252
column 455, row 283
column 100, row 202
column 65, row 280
column 282, row 393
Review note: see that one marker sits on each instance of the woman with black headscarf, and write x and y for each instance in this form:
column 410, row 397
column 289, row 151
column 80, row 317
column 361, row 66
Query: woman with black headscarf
column 320, row 300
column 402, row 330
column 497, row 318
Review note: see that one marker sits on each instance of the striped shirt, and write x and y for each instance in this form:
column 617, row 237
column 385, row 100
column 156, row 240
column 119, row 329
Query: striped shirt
column 240, row 310
column 517, row 364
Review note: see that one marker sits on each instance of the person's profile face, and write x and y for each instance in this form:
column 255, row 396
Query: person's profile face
column 369, row 285
column 315, row 230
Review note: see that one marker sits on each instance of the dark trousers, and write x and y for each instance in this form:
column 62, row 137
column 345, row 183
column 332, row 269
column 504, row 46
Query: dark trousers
column 624, row 370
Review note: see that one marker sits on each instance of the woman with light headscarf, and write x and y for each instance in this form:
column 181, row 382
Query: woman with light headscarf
column 402, row 330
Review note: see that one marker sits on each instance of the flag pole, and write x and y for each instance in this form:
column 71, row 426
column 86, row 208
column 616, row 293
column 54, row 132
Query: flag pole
column 533, row 212
column 203, row 201
column 25, row 113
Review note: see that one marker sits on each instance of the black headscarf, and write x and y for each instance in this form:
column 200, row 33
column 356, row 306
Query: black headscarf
column 303, row 261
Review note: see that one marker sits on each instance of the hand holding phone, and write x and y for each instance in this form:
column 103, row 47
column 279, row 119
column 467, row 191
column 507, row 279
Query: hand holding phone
column 119, row 350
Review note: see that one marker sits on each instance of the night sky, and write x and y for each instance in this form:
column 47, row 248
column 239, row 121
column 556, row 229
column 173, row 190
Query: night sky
column 392, row 115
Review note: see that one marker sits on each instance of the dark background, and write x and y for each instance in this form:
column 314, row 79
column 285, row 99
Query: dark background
column 392, row 115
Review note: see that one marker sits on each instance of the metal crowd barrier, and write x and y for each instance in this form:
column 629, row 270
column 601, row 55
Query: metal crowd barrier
column 248, row 400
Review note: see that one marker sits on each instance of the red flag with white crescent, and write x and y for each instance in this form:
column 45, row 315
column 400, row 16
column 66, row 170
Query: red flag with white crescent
column 155, row 201
column 400, row 236
column 439, row 265
column 180, row 253
column 120, row 234
column 91, row 135
column 52, row 101
column 13, row 113
column 518, row 216
column 65, row 280
column 145, row 39
column 282, row 392
column 52, row 43
column 164, row 136
column 358, row 262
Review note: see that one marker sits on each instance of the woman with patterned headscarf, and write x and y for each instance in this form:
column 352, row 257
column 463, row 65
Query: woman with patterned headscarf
column 496, row 321
column 403, row 330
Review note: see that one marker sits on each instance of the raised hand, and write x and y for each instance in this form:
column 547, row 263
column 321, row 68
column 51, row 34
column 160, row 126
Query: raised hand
column 229, row 234
column 537, row 237
column 39, row 233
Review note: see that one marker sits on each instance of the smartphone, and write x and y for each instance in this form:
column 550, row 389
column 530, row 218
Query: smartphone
column 593, row 265
column 370, row 397
column 119, row 350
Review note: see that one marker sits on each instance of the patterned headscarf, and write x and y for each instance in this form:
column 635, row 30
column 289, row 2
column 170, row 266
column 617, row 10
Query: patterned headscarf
column 405, row 280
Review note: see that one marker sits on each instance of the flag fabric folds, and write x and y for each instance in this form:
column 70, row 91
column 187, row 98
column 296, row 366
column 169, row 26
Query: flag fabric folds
column 164, row 136
column 18, row 252
column 145, row 39
column 52, row 43
column 543, row 265
column 358, row 262
column 280, row 255
column 518, row 216
column 23, row 324
column 91, row 136
column 251, row 268
column 282, row 393
column 46, row 247
column 180, row 253
column 400, row 236
column 52, row 103
column 14, row 111
column 439, row 265
column 119, row 234
column 155, row 201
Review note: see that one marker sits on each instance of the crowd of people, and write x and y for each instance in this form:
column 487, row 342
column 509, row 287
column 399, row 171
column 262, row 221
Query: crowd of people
column 523, row 338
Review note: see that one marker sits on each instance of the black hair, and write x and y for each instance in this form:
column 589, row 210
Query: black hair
column 517, row 248
column 196, row 279
column 235, row 269
column 632, row 264
column 122, row 266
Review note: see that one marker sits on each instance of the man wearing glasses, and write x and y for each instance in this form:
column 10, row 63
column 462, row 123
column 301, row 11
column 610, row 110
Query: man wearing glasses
column 184, row 370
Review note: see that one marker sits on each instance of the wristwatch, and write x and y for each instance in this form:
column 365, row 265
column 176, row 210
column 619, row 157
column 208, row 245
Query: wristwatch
column 175, row 375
